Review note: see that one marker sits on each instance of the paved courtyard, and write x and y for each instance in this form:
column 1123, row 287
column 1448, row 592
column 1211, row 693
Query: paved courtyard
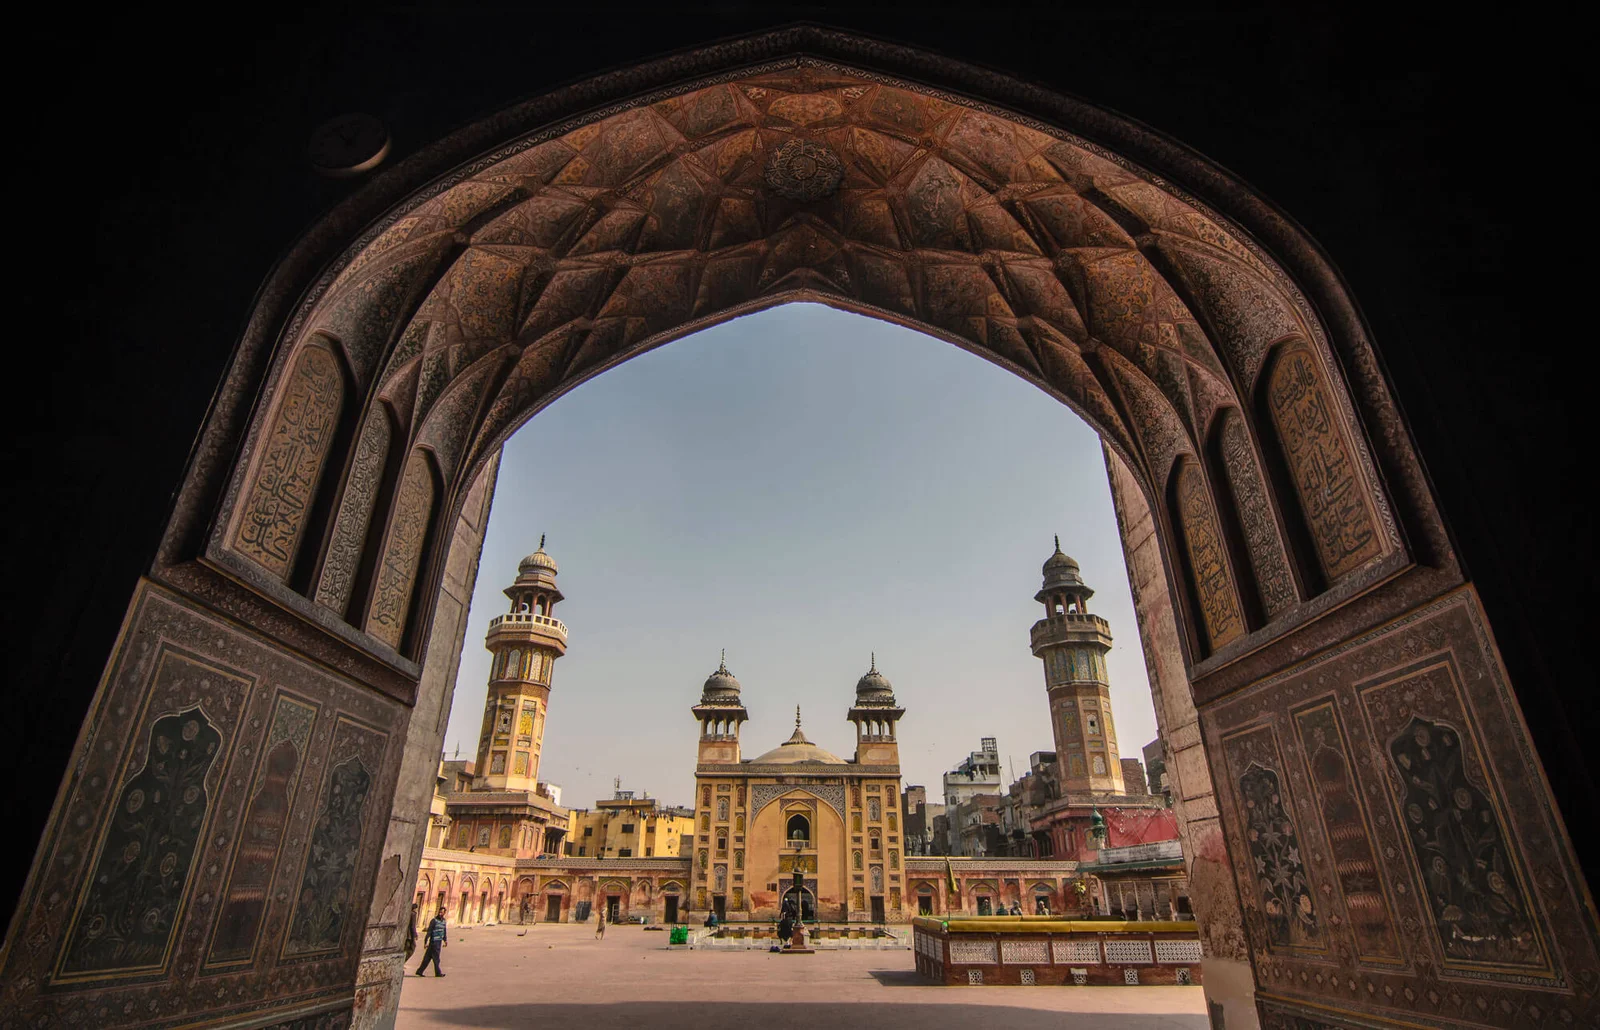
column 559, row 975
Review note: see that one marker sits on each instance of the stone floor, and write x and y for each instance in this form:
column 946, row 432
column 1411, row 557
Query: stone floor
column 559, row 975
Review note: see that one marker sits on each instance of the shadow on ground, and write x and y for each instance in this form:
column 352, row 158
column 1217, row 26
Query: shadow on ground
column 795, row 1015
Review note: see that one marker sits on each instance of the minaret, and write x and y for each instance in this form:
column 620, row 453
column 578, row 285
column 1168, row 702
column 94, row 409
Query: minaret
column 875, row 714
column 525, row 643
column 721, row 714
column 1073, row 645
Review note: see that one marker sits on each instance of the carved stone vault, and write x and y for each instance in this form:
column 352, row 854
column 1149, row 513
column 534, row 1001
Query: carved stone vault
column 1270, row 503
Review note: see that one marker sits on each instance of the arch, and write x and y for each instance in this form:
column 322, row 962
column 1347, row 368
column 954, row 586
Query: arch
column 798, row 827
column 664, row 205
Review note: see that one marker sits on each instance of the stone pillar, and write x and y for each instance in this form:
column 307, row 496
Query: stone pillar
column 1229, row 980
column 382, row 968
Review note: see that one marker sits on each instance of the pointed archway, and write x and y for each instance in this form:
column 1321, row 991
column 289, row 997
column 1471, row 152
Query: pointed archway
column 1322, row 664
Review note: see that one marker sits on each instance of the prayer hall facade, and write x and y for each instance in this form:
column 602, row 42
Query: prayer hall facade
column 502, row 848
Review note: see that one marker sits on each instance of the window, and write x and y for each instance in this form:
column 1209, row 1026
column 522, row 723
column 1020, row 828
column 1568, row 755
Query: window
column 624, row 852
column 627, row 827
column 582, row 851
column 647, row 852
column 722, row 845
column 1093, row 723
column 588, row 831
column 876, row 842
column 799, row 828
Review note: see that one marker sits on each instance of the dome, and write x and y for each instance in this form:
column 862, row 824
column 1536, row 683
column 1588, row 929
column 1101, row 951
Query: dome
column 538, row 560
column 720, row 684
column 1059, row 561
column 874, row 686
column 798, row 749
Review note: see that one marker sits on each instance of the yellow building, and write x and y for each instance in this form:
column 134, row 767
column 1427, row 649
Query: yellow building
column 629, row 827
column 798, row 807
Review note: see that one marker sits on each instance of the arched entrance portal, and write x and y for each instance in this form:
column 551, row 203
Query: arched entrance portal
column 1323, row 670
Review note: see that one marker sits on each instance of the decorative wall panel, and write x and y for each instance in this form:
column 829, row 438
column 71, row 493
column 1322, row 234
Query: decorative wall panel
column 1278, row 894
column 1129, row 952
column 274, row 509
column 1087, row 952
column 327, row 908
column 764, row 794
column 1426, row 833
column 1348, row 831
column 1016, row 953
column 261, row 834
column 402, row 552
column 973, row 953
column 1220, row 614
column 1333, row 497
column 201, row 769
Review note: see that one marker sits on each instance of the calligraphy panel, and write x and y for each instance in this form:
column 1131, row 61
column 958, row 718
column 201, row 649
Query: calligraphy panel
column 261, row 834
column 296, row 447
column 402, row 552
column 1349, row 835
column 1220, row 614
column 1321, row 464
column 1268, row 558
column 354, row 518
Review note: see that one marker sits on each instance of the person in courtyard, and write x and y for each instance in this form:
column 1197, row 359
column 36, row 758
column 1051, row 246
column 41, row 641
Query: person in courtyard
column 437, row 940
column 785, row 928
column 711, row 921
column 411, row 933
column 600, row 927
column 1016, row 909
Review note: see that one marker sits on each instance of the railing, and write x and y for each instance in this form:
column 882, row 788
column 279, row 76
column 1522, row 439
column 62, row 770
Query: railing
column 1070, row 626
column 528, row 619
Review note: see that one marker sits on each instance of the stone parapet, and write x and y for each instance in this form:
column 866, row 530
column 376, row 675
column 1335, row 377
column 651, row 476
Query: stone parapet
column 1033, row 950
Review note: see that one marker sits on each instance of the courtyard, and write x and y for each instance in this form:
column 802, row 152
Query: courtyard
column 558, row 974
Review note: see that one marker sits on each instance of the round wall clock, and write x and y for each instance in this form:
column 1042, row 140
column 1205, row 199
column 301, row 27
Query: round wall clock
column 348, row 145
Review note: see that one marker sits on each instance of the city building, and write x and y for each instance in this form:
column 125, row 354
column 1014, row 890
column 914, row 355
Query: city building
column 626, row 826
column 1155, row 765
column 920, row 816
column 965, row 788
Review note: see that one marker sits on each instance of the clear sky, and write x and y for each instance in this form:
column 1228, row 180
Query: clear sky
column 802, row 487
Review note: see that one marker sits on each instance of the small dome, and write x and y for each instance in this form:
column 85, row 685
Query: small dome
column 874, row 686
column 1059, row 560
column 538, row 560
column 720, row 684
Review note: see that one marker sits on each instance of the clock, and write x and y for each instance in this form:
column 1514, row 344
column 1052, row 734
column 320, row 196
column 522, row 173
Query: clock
column 348, row 145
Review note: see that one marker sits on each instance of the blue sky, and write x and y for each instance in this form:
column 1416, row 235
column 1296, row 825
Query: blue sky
column 801, row 486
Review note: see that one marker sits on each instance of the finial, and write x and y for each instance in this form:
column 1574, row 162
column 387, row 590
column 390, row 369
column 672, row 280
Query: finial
column 1058, row 543
column 541, row 542
column 874, row 663
column 796, row 716
column 722, row 666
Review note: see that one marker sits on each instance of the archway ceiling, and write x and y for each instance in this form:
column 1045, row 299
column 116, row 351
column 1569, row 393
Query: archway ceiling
column 567, row 255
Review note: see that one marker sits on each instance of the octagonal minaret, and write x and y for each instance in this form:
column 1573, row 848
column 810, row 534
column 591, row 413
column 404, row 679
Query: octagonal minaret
column 721, row 715
column 876, row 715
column 1072, row 644
column 525, row 643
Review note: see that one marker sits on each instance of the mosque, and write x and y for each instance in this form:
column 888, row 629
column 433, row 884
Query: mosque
column 501, row 846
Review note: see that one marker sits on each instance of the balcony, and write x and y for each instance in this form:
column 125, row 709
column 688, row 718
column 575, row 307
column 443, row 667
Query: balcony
column 529, row 622
column 1064, row 629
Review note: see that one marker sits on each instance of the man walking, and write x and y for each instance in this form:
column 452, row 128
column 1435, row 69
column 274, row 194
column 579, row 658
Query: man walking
column 600, row 927
column 436, row 940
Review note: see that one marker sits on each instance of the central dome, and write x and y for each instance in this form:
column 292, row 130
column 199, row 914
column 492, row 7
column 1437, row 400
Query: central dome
column 798, row 749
